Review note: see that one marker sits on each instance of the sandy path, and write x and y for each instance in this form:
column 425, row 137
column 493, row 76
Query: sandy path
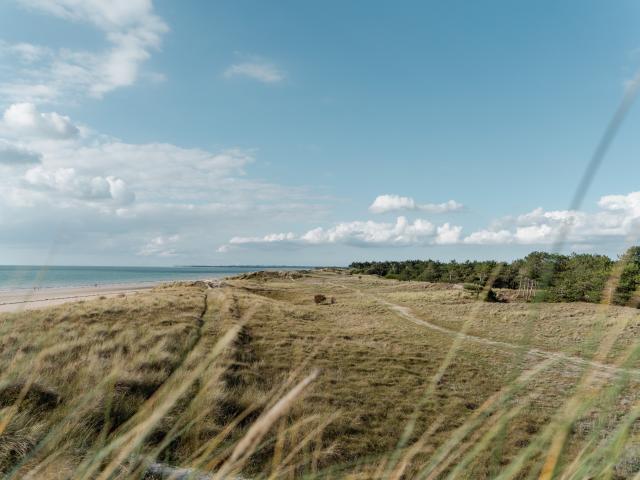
column 27, row 299
column 406, row 313
column 603, row 369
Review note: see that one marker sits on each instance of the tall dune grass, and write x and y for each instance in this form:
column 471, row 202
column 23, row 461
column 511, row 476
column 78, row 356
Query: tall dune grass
column 256, row 380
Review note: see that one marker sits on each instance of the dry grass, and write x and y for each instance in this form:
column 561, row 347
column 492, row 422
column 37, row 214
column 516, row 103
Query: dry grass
column 212, row 379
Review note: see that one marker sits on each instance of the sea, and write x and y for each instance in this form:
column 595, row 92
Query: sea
column 13, row 277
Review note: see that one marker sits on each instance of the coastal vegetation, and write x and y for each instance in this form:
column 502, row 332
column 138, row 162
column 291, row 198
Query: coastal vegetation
column 561, row 278
column 254, row 377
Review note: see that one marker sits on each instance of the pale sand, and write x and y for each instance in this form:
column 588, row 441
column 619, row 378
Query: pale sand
column 29, row 299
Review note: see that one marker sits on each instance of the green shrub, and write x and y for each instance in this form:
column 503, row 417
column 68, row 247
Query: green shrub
column 491, row 296
column 473, row 287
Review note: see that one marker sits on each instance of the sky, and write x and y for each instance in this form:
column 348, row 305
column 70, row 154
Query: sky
column 135, row 132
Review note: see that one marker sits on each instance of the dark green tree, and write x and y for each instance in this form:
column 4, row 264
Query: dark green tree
column 629, row 278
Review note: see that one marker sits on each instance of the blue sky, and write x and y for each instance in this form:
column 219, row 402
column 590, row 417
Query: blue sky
column 311, row 133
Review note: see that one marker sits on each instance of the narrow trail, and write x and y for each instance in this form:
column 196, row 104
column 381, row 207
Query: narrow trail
column 200, row 321
column 608, row 371
column 161, row 471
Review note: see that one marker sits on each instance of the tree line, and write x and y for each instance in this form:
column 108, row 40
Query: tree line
column 561, row 278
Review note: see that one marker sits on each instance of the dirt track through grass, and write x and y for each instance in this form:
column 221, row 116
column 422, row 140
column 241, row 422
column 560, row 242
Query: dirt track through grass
column 406, row 313
column 608, row 370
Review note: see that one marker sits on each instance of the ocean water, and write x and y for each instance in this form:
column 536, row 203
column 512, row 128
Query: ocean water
column 21, row 276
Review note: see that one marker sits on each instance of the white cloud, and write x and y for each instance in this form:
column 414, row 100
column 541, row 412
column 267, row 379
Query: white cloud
column 448, row 234
column 448, row 206
column 360, row 233
column 23, row 119
column 394, row 203
column 539, row 216
column 264, row 72
column 105, row 195
column 618, row 217
column 160, row 246
column 488, row 237
column 119, row 191
column 390, row 203
column 32, row 92
column 536, row 234
column 402, row 232
column 105, row 14
column 67, row 182
column 15, row 155
column 26, row 52
column 627, row 204
column 131, row 29
column 271, row 238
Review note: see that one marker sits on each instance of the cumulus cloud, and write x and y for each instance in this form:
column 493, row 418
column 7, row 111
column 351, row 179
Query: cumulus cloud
column 403, row 232
column 105, row 195
column 394, row 203
column 119, row 191
column 97, row 169
column 628, row 205
column 131, row 29
column 24, row 119
column 489, row 237
column 360, row 233
column 390, row 203
column 67, row 182
column 261, row 71
column 15, row 155
column 448, row 234
column 618, row 217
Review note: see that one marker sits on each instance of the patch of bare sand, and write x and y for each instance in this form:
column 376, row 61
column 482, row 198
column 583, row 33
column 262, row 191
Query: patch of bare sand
column 29, row 299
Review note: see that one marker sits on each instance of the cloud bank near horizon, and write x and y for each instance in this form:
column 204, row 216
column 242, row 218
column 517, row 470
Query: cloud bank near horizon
column 617, row 217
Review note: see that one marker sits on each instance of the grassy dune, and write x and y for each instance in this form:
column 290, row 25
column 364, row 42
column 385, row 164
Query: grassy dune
column 414, row 380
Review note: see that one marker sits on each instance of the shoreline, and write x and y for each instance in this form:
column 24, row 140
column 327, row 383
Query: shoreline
column 16, row 290
column 29, row 299
column 19, row 299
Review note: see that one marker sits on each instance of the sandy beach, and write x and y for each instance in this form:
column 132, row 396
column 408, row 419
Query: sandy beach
column 29, row 299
